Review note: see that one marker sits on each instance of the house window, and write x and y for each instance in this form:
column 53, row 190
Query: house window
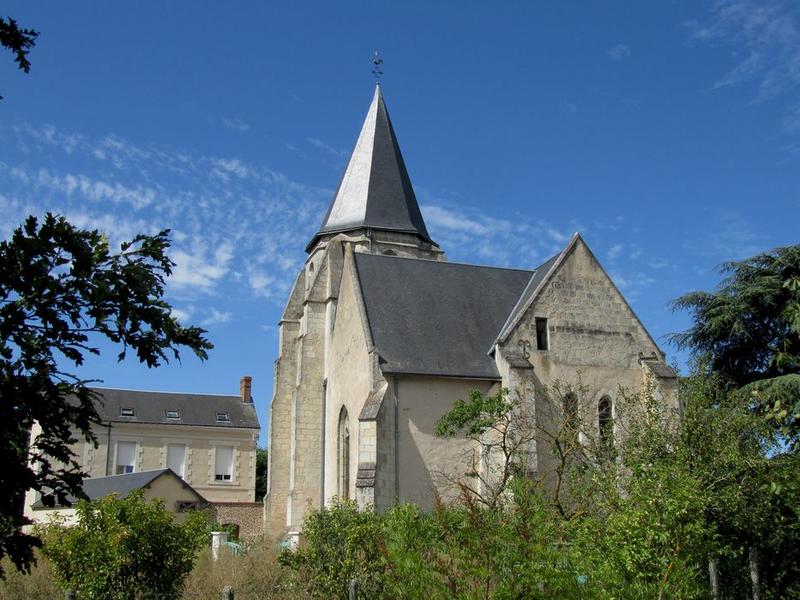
column 222, row 417
column 176, row 459
column 126, row 412
column 343, row 455
column 126, row 458
column 223, row 464
column 605, row 422
column 173, row 414
column 541, row 334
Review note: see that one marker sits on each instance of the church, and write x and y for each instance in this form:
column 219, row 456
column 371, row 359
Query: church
column 381, row 335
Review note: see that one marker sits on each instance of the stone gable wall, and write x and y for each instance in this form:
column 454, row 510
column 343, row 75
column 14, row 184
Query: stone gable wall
column 594, row 339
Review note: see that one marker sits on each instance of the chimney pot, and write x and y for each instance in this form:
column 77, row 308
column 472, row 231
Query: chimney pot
column 245, row 386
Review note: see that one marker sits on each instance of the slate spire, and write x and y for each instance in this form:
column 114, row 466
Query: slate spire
column 375, row 191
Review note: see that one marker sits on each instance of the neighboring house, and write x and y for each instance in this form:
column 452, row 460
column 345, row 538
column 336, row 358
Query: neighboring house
column 381, row 335
column 208, row 440
column 178, row 495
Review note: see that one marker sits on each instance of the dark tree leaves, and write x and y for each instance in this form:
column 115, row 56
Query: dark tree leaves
column 262, row 466
column 61, row 291
column 18, row 41
column 748, row 332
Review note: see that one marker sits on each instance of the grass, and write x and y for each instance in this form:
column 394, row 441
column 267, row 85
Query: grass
column 255, row 575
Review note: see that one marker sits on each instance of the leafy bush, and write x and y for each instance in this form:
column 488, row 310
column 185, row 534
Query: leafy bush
column 637, row 520
column 125, row 549
column 340, row 543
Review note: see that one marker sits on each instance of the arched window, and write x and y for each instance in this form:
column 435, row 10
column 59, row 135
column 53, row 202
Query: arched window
column 605, row 421
column 570, row 407
column 343, row 455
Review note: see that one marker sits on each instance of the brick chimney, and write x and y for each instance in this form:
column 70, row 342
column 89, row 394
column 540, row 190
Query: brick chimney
column 245, row 385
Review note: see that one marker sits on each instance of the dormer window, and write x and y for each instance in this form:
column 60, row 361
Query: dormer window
column 126, row 412
column 222, row 417
column 173, row 414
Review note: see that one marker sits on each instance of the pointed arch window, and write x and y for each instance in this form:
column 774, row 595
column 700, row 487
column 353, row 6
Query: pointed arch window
column 343, row 455
column 570, row 407
column 605, row 421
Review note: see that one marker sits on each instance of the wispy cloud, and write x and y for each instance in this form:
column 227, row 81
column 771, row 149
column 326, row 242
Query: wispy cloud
column 614, row 252
column 728, row 237
column 768, row 33
column 470, row 235
column 325, row 147
column 227, row 216
column 235, row 124
column 216, row 317
column 618, row 52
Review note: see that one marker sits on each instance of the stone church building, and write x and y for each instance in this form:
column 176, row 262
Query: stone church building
column 381, row 335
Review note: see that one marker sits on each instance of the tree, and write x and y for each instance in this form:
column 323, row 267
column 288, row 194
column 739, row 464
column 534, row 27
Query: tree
column 262, row 464
column 18, row 41
column 503, row 427
column 122, row 549
column 61, row 291
column 748, row 332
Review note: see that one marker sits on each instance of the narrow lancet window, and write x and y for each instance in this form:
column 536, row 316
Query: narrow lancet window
column 343, row 455
column 605, row 421
column 571, row 417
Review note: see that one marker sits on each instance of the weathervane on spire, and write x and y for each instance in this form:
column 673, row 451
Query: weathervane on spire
column 377, row 61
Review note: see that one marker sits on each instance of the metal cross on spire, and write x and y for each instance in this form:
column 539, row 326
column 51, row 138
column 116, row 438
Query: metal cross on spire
column 377, row 61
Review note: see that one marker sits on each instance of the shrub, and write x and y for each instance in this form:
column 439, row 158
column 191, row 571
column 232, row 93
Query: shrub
column 340, row 543
column 125, row 549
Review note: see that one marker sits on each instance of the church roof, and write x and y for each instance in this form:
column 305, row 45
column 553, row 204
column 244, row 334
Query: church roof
column 436, row 318
column 375, row 190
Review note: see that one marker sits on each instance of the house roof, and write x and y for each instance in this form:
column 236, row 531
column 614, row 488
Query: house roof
column 436, row 318
column 122, row 485
column 375, row 191
column 193, row 409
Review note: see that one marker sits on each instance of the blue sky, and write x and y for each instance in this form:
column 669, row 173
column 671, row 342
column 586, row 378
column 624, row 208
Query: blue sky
column 667, row 133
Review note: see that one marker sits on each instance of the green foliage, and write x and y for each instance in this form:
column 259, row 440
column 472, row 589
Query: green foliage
column 18, row 41
column 476, row 416
column 61, row 290
column 748, row 331
column 682, row 485
column 504, row 427
column 125, row 549
column 340, row 543
column 262, row 464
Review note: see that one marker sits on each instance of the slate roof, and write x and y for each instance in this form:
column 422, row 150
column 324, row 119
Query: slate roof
column 122, row 485
column 436, row 318
column 522, row 304
column 375, row 190
column 193, row 409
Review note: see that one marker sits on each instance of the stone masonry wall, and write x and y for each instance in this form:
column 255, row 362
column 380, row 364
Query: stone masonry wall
column 249, row 516
column 594, row 339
